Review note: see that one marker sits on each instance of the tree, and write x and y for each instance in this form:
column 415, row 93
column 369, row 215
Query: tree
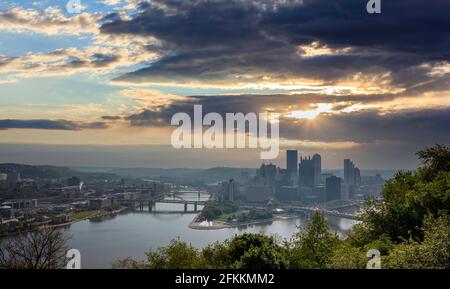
column 411, row 196
column 313, row 245
column 40, row 249
column 265, row 256
column 435, row 159
column 216, row 256
column 249, row 251
column 255, row 251
column 432, row 253
column 345, row 256
column 177, row 255
column 240, row 244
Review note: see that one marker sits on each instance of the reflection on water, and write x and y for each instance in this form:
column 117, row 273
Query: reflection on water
column 132, row 234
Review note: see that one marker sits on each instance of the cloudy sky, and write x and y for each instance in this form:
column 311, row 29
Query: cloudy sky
column 98, row 88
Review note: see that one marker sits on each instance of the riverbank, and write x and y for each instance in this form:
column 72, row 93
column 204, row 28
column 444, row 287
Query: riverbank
column 99, row 215
column 67, row 224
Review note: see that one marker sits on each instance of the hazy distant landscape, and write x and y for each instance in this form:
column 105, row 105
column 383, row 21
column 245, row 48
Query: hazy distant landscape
column 204, row 175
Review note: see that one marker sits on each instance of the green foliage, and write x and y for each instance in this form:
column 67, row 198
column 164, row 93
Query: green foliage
column 409, row 197
column 313, row 245
column 382, row 244
column 435, row 160
column 432, row 253
column 243, row 243
column 216, row 256
column 345, row 256
column 214, row 210
column 248, row 251
column 254, row 215
column 177, row 255
column 265, row 256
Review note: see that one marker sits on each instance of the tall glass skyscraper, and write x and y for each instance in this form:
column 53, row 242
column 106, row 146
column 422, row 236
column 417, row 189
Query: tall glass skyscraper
column 292, row 163
column 349, row 172
column 317, row 159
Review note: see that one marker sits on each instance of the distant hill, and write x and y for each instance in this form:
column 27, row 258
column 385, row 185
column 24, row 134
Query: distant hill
column 203, row 175
column 184, row 174
column 152, row 172
column 30, row 171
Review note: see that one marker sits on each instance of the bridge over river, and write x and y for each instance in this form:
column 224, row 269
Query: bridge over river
column 140, row 203
column 325, row 212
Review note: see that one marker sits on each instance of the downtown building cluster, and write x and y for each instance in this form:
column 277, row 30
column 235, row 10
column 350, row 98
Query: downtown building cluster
column 301, row 180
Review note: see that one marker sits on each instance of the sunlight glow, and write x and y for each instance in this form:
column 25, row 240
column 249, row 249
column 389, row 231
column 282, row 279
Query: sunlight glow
column 310, row 114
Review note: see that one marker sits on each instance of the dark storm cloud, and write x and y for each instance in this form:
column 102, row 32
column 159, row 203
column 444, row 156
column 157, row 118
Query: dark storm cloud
column 216, row 39
column 161, row 116
column 222, row 104
column 405, row 26
column 49, row 124
column 365, row 126
column 415, row 126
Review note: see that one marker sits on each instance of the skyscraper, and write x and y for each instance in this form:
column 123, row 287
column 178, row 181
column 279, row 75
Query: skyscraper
column 306, row 172
column 267, row 174
column 357, row 177
column 292, row 163
column 317, row 159
column 349, row 172
column 352, row 174
column 230, row 189
column 333, row 188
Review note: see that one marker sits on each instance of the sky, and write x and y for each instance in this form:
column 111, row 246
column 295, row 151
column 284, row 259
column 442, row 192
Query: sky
column 98, row 87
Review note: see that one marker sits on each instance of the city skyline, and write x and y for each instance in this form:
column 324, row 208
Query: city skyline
column 98, row 87
column 9, row 154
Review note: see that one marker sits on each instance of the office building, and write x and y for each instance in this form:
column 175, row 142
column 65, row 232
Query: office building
column 266, row 175
column 21, row 204
column 346, row 191
column 257, row 193
column 352, row 176
column 230, row 190
column 349, row 172
column 305, row 192
column 287, row 193
column 73, row 182
column 333, row 188
column 292, row 163
column 306, row 172
column 6, row 213
column 100, row 203
column 317, row 159
column 357, row 178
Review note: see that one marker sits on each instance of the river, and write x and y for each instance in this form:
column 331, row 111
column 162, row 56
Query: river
column 132, row 234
